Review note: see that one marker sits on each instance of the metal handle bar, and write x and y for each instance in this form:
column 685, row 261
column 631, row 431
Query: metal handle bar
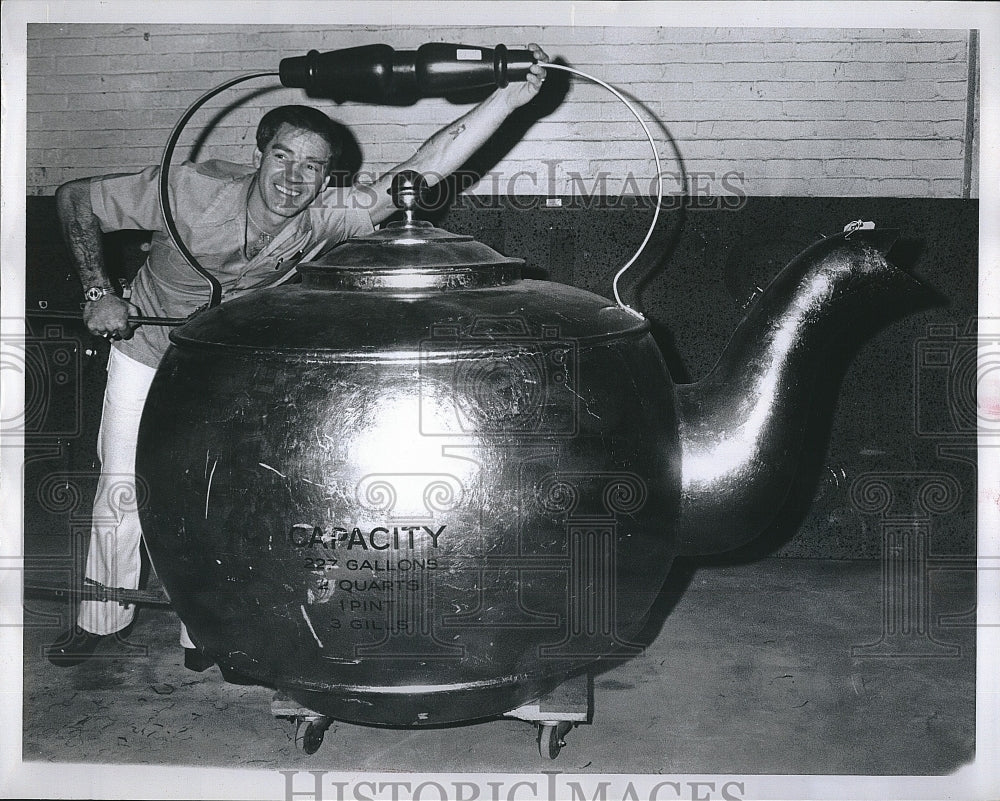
column 61, row 314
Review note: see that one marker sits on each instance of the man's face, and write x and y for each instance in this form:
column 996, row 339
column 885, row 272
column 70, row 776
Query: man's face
column 292, row 170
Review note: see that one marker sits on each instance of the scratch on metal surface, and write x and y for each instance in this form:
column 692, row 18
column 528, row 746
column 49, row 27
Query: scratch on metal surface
column 268, row 467
column 305, row 615
column 326, row 443
column 208, row 492
column 582, row 400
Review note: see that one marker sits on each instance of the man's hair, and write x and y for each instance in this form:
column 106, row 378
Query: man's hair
column 306, row 118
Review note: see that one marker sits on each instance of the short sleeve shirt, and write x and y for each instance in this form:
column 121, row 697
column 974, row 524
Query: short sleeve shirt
column 208, row 203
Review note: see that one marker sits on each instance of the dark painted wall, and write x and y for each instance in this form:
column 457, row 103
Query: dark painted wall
column 895, row 444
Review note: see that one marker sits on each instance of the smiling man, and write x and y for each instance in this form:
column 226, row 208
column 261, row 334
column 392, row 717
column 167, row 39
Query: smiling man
column 249, row 227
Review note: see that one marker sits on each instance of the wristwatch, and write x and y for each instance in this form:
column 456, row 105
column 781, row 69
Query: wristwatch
column 97, row 292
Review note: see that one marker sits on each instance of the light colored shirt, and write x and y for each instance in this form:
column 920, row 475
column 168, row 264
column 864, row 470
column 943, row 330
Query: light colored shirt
column 208, row 203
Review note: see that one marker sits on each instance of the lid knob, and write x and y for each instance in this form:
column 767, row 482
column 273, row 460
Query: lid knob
column 407, row 190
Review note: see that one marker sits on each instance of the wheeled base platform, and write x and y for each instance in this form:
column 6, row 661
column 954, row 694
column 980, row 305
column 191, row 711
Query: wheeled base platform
column 554, row 715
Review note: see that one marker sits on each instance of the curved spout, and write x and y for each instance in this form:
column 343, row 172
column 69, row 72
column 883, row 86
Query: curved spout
column 741, row 426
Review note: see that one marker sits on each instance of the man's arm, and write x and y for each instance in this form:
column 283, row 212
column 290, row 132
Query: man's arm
column 82, row 232
column 452, row 146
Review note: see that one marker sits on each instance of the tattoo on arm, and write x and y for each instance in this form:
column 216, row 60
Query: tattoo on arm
column 457, row 130
column 82, row 232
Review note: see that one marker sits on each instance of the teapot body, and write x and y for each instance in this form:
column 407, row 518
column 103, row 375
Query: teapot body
column 412, row 500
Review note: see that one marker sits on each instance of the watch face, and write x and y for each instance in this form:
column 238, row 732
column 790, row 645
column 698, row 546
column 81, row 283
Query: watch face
column 94, row 293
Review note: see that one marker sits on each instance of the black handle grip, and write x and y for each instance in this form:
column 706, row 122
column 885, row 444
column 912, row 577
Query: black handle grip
column 379, row 74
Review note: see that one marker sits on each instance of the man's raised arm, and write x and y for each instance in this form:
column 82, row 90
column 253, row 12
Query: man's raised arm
column 452, row 146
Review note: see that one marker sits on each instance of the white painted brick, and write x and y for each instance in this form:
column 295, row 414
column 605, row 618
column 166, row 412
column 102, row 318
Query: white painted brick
column 936, row 168
column 887, row 168
column 736, row 110
column 809, row 109
column 938, row 71
column 774, row 104
column 912, row 187
column 80, row 65
column 616, row 130
column 763, row 90
column 934, row 111
column 895, row 90
column 104, row 101
column 108, row 138
column 947, row 187
column 844, row 187
column 788, row 187
column 795, row 168
column 627, row 35
column 746, row 169
column 919, row 129
column 908, row 34
column 72, row 121
column 838, row 71
column 864, row 34
column 105, row 157
column 40, row 104
column 901, row 149
column 872, row 71
column 730, row 71
column 631, row 73
column 68, row 46
column 784, row 130
column 595, row 57
column 847, row 51
column 635, row 151
column 734, row 51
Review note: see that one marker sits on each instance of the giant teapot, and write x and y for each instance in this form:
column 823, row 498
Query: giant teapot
column 418, row 488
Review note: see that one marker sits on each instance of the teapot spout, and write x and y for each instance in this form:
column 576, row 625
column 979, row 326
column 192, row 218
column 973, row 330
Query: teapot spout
column 741, row 426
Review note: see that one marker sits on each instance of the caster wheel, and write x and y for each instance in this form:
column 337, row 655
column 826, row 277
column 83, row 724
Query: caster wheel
column 309, row 734
column 550, row 738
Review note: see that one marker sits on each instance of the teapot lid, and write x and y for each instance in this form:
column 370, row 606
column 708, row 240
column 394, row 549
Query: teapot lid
column 410, row 254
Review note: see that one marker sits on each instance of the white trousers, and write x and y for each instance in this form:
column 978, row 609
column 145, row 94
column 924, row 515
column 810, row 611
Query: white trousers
column 113, row 557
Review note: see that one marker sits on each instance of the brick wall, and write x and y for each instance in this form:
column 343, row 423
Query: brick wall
column 810, row 112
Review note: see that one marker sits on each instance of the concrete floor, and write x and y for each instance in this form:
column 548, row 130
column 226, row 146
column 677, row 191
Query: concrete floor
column 751, row 672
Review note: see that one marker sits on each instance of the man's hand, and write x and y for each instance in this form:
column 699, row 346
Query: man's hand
column 518, row 93
column 108, row 318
